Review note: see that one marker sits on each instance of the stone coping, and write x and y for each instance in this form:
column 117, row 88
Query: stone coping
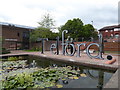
column 81, row 62
column 113, row 82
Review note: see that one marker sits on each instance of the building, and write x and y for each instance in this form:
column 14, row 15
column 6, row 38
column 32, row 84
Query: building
column 15, row 36
column 111, row 33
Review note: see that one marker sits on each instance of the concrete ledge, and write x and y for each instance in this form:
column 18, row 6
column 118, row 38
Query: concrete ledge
column 113, row 82
column 88, row 63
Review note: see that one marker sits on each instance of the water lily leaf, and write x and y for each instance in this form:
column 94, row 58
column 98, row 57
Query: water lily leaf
column 8, row 68
column 69, row 74
column 59, row 86
column 63, row 79
column 41, row 87
column 71, row 77
column 75, row 77
column 83, row 75
column 69, row 67
column 1, row 70
column 65, row 76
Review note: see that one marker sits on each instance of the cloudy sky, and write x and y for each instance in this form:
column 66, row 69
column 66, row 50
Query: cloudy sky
column 29, row 12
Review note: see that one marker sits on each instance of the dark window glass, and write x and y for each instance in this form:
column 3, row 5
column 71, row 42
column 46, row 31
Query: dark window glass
column 18, row 34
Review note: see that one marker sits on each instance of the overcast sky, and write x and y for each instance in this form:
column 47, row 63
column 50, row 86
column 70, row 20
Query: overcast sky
column 29, row 12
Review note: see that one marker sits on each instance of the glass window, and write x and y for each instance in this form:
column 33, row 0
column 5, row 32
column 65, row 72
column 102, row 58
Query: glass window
column 117, row 36
column 18, row 34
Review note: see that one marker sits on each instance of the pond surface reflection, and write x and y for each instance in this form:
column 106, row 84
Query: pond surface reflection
column 90, row 77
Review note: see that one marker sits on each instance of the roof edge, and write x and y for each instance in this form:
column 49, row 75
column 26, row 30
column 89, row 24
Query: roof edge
column 16, row 25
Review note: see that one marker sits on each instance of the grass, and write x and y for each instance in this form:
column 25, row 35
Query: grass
column 113, row 52
column 30, row 50
column 34, row 49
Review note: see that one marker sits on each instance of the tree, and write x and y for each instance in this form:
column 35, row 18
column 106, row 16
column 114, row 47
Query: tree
column 74, row 27
column 46, row 22
column 77, row 30
column 88, row 30
column 41, row 32
column 44, row 29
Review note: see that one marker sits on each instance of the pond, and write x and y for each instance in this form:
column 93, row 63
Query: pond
column 66, row 75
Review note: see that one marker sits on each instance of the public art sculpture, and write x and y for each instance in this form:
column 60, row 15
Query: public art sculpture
column 66, row 45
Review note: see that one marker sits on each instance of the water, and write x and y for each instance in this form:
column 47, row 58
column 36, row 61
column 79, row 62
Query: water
column 96, row 78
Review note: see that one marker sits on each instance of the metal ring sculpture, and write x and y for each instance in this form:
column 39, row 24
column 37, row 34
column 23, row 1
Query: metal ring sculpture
column 53, row 46
column 66, row 47
column 90, row 74
column 88, row 48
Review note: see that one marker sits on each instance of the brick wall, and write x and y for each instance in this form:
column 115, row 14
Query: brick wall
column 108, row 46
column 16, row 33
column 112, row 46
column 47, row 45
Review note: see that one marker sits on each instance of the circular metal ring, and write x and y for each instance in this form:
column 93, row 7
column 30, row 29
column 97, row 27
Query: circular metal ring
column 87, row 50
column 72, row 45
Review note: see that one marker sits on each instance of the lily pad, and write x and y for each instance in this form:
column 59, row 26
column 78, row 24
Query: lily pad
column 75, row 77
column 59, row 86
column 71, row 77
column 83, row 75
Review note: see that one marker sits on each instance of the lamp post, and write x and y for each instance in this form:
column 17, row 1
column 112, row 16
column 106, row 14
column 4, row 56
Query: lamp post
column 92, row 22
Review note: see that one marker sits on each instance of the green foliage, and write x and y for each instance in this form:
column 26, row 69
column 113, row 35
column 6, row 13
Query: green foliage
column 42, row 78
column 34, row 49
column 47, row 21
column 12, row 58
column 22, row 80
column 4, row 51
column 44, row 29
column 15, row 58
column 21, row 58
column 76, row 29
column 41, row 32
column 89, row 31
column 13, row 64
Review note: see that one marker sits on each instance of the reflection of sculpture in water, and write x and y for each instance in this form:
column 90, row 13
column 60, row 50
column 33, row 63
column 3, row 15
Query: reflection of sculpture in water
column 33, row 64
column 100, row 80
column 100, row 77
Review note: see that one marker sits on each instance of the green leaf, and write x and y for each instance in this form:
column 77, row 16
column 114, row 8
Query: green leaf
column 59, row 86
column 75, row 78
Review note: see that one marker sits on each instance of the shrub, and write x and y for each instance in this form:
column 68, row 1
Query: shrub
column 12, row 58
column 4, row 51
column 20, row 58
column 34, row 49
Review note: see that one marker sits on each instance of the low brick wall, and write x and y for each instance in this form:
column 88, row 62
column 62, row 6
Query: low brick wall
column 47, row 45
column 112, row 46
column 108, row 46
